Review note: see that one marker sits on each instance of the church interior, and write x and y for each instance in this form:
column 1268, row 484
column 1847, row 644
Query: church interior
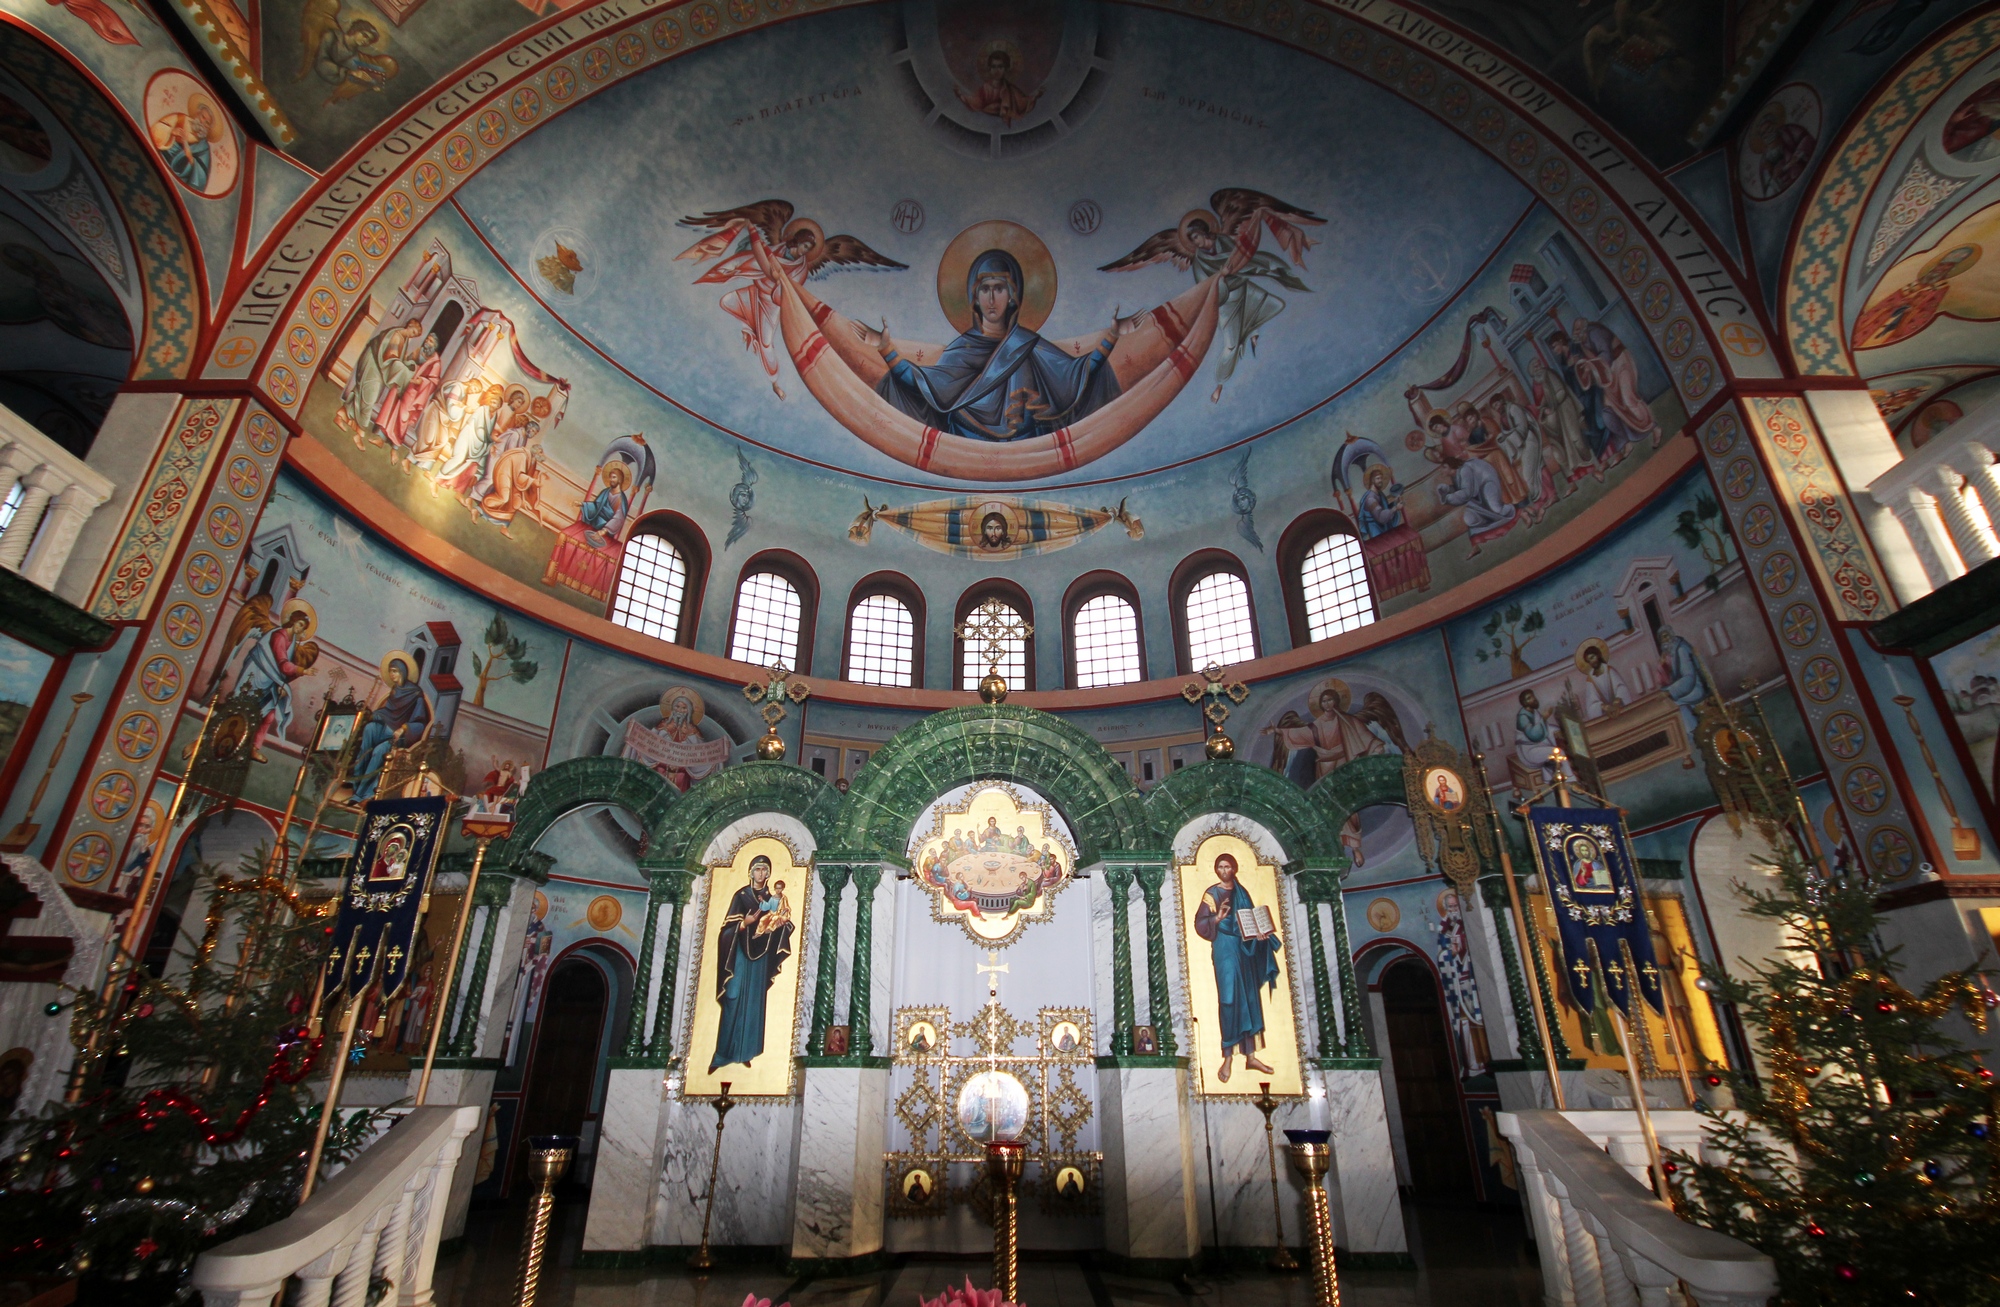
column 590, row 714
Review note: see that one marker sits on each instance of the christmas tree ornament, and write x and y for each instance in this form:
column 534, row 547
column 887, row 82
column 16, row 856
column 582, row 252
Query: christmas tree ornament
column 144, row 1184
column 52, row 1008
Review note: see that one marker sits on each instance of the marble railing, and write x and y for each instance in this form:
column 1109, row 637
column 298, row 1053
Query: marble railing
column 379, row 1219
column 52, row 493
column 1946, row 496
column 1603, row 1237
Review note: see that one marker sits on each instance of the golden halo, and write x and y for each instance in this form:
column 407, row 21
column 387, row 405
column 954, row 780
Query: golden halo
column 1966, row 254
column 1010, row 513
column 1342, row 696
column 797, row 225
column 1038, row 271
column 300, row 606
column 697, row 708
column 1213, row 223
column 1603, row 651
column 1001, row 46
column 1444, row 894
column 399, row 656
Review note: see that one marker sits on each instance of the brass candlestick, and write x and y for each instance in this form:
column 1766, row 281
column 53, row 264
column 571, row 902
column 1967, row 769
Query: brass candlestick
column 549, row 1157
column 701, row 1261
column 1312, row 1156
column 1005, row 1160
column 1281, row 1256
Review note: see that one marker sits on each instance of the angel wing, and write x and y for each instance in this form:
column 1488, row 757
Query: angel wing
column 847, row 252
column 768, row 217
column 254, row 617
column 317, row 19
column 1244, row 214
column 1376, row 709
column 1160, row 247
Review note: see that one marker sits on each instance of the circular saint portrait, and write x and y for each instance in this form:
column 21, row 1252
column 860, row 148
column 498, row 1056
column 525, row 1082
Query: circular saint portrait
column 191, row 133
column 1444, row 789
column 918, row 1187
column 923, row 1038
column 604, row 913
column 1065, row 1037
column 1384, row 915
column 993, row 1105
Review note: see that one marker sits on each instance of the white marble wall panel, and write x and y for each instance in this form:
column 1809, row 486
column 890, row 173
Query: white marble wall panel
column 623, row 1187
column 1367, row 1206
column 1149, row 1167
column 753, row 1190
column 1099, row 890
column 837, row 1199
column 461, row 1087
column 1489, row 970
column 1234, row 1175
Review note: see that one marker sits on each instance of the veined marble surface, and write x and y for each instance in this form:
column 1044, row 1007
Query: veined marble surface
column 1149, row 1169
column 837, row 1198
column 622, row 1187
column 1367, row 1208
column 461, row 1087
column 753, row 1189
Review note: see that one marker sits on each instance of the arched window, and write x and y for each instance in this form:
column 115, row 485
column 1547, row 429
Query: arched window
column 1325, row 577
column 1016, row 663
column 1212, row 597
column 1102, row 616
column 652, row 587
column 881, row 641
column 776, row 598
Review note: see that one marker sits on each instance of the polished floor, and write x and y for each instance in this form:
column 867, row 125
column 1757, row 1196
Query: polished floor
column 1465, row 1258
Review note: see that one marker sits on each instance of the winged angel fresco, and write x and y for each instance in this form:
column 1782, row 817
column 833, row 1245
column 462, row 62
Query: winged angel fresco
column 1001, row 402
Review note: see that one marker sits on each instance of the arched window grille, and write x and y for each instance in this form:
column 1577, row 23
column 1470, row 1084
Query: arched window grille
column 1104, row 642
column 768, row 618
column 881, row 642
column 652, row 587
column 1216, row 614
column 1333, row 580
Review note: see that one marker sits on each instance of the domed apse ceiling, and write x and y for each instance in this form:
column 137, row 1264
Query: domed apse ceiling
column 1131, row 126
column 1237, row 282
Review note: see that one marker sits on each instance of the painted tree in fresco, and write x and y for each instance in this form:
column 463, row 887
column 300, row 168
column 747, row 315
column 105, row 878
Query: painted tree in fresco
column 1700, row 529
column 1508, row 632
column 506, row 659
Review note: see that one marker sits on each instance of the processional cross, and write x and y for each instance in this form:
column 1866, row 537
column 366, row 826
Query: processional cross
column 1219, row 692
column 993, row 624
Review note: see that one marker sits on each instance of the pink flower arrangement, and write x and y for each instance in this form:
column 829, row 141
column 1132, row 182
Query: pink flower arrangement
column 969, row 1296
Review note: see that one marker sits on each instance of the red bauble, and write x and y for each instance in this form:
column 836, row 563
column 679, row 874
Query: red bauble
column 145, row 1248
column 1815, row 1229
column 1845, row 1272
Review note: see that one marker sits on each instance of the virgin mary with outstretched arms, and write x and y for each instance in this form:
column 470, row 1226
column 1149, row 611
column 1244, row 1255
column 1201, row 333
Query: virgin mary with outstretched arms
column 998, row 380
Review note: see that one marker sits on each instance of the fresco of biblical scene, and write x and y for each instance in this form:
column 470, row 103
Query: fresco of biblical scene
column 22, row 671
column 1238, row 953
column 744, row 1009
column 1612, row 658
column 320, row 612
column 1969, row 675
column 992, row 862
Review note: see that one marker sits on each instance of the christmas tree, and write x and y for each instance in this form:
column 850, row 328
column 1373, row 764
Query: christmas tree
column 1865, row 1161
column 192, row 1122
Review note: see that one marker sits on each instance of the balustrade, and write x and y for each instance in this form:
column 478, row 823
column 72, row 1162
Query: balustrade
column 1946, row 496
column 53, row 493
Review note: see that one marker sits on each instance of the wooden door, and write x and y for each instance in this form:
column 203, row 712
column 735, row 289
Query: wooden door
column 1427, row 1085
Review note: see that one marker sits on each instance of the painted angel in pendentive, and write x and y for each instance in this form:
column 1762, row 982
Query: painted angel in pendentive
column 799, row 249
column 344, row 56
column 1226, row 238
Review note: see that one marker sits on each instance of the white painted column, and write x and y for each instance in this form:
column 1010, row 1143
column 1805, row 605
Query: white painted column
column 1924, row 528
column 61, row 524
column 1974, row 542
column 37, row 488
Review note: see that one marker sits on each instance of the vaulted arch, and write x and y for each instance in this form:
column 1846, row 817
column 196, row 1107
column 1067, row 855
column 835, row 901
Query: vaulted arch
column 1104, row 809
column 582, row 782
column 1360, row 784
column 1247, row 790
column 684, row 831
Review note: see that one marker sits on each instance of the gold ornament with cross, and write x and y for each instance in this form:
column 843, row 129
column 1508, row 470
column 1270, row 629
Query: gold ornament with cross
column 772, row 694
column 1219, row 691
column 993, row 624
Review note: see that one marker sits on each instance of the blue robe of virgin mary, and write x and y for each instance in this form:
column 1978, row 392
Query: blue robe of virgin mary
column 1243, row 967
column 750, row 963
column 1011, row 388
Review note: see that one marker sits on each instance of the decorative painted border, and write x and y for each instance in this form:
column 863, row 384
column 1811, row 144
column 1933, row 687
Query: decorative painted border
column 165, row 350
column 159, row 517
column 236, row 67
column 1821, row 678
column 1820, row 510
column 135, row 745
column 317, row 271
column 1814, row 281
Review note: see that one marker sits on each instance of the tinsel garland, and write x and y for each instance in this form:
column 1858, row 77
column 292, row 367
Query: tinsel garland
column 154, row 1104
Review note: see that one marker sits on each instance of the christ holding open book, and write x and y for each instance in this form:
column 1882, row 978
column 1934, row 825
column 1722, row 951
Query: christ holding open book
column 1243, row 942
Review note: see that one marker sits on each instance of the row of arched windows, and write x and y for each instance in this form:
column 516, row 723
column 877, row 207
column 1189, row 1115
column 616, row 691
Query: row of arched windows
column 771, row 622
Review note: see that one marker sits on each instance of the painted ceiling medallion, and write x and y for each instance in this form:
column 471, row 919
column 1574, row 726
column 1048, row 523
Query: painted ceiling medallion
column 993, row 862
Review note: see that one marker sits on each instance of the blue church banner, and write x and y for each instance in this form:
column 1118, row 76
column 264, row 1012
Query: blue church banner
column 1586, row 864
column 382, row 903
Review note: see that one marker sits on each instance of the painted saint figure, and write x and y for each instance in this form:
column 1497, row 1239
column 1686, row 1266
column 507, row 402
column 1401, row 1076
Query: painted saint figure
column 183, row 142
column 402, row 720
column 1685, row 684
column 997, row 94
column 1604, row 690
column 998, row 380
column 1245, row 965
column 753, row 946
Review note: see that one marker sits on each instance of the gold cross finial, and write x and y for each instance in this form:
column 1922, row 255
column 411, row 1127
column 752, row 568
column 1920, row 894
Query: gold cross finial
column 1219, row 692
column 773, row 693
column 1582, row 970
column 993, row 624
column 992, row 968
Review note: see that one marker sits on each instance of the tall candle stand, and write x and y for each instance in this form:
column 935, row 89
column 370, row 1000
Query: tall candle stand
column 1312, row 1156
column 1005, row 1160
column 549, row 1157
column 701, row 1261
column 1281, row 1256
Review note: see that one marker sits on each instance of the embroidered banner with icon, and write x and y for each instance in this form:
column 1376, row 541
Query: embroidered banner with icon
column 381, row 903
column 1586, row 863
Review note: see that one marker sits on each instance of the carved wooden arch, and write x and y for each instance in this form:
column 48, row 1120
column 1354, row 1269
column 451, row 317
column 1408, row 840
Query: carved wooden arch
column 1246, row 790
column 684, row 831
column 1059, row 761
column 561, row 789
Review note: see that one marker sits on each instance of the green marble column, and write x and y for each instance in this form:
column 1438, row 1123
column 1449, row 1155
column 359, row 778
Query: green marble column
column 1118, row 880
column 1329, row 1029
column 642, row 979
column 1528, row 1045
column 861, row 981
column 1159, row 995
column 672, row 888
column 465, row 1013
column 1356, row 1017
column 832, row 878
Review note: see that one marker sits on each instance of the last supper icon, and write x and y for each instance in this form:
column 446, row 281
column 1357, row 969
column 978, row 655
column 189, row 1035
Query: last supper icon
column 993, row 862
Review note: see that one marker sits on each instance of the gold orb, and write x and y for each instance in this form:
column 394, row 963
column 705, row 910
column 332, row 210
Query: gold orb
column 144, row 1184
column 993, row 687
column 771, row 748
column 1220, row 746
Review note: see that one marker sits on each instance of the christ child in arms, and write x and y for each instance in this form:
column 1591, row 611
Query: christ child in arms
column 1244, row 949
